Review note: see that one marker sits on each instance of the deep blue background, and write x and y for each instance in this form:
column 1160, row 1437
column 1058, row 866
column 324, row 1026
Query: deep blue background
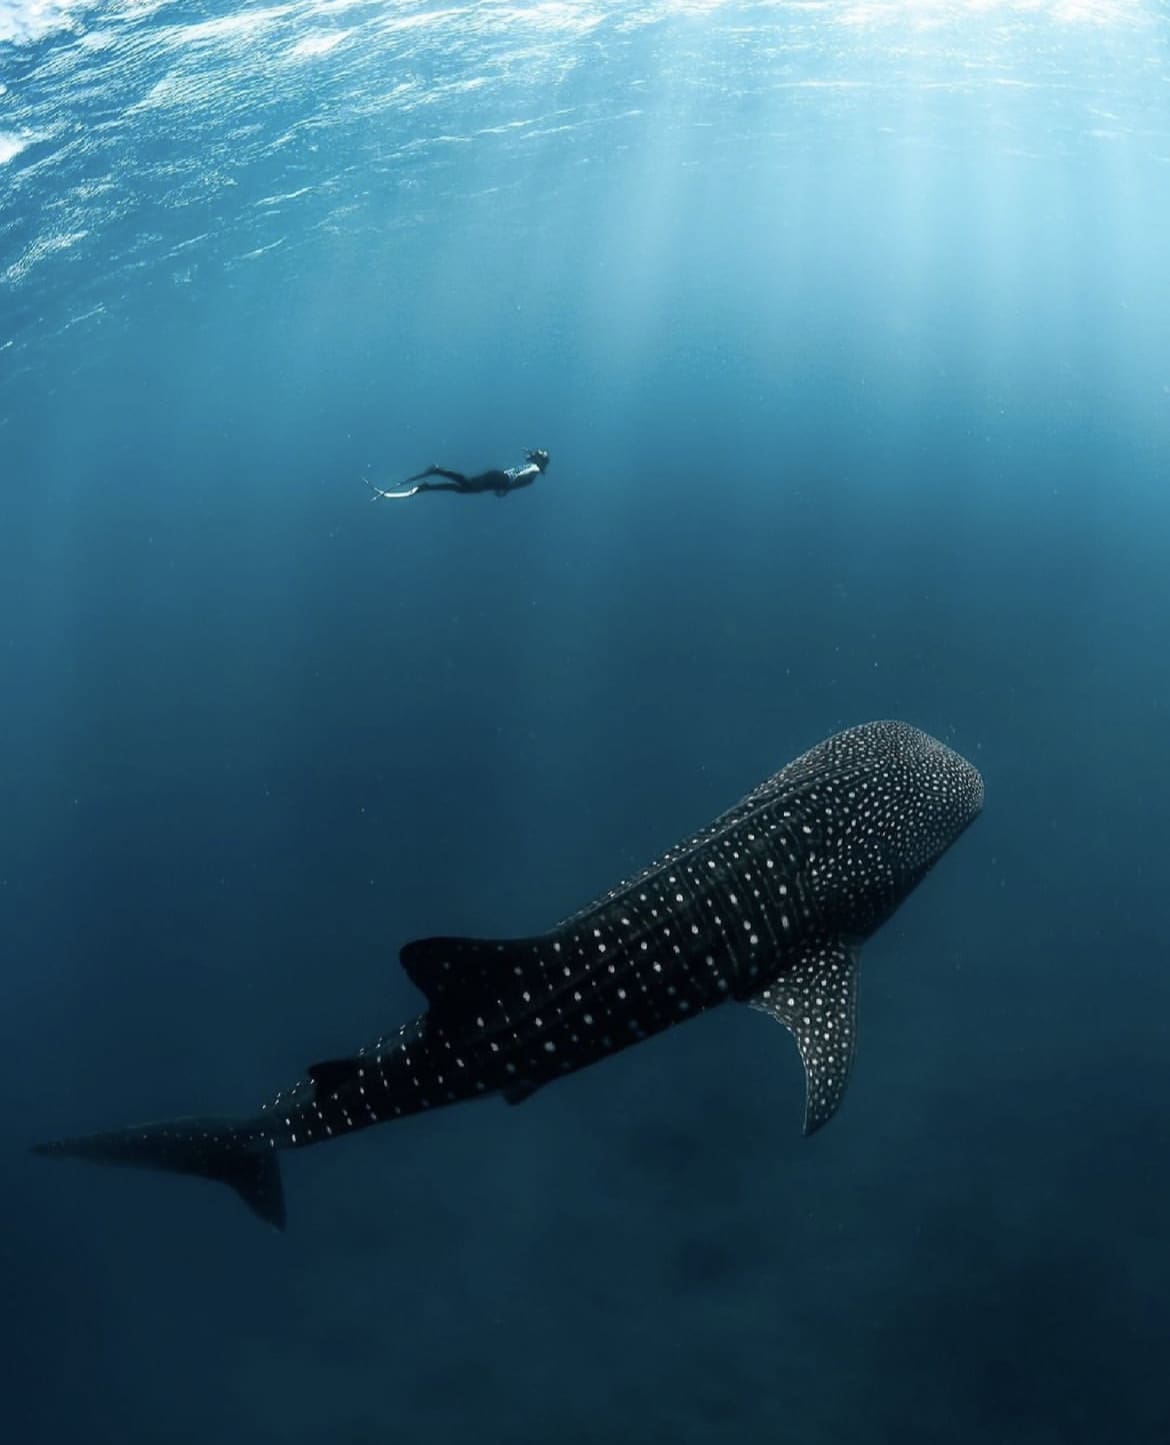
column 848, row 339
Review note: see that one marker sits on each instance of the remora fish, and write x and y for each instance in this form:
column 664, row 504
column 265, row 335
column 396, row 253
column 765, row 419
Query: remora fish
column 766, row 905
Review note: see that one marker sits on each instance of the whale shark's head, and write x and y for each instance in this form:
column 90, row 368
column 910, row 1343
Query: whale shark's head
column 879, row 805
column 933, row 794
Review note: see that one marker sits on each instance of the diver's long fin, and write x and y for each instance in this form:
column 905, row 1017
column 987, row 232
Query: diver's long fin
column 816, row 1000
column 210, row 1148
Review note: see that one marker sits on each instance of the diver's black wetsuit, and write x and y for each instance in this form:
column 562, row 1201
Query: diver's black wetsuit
column 493, row 481
column 501, row 482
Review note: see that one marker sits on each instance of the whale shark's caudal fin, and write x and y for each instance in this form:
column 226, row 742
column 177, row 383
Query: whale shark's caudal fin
column 210, row 1148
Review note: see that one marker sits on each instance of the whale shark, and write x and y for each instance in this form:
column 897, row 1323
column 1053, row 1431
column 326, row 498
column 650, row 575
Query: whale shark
column 768, row 905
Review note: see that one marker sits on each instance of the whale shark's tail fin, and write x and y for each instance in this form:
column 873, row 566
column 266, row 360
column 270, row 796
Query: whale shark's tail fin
column 211, row 1148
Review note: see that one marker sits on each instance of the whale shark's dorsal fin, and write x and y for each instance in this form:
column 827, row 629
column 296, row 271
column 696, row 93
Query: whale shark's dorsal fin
column 816, row 1000
column 333, row 1074
column 462, row 975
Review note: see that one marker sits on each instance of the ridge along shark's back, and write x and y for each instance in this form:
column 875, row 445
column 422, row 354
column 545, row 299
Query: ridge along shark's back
column 865, row 814
column 766, row 905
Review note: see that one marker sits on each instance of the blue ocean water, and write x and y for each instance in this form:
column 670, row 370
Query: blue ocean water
column 845, row 324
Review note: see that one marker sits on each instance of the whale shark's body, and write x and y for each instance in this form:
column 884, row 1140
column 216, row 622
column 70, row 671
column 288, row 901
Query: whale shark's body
column 767, row 905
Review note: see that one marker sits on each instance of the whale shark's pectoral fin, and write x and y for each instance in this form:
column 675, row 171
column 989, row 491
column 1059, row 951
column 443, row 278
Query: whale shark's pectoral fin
column 816, row 1000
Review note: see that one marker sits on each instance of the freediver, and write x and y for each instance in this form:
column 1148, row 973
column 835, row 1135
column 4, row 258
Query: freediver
column 501, row 482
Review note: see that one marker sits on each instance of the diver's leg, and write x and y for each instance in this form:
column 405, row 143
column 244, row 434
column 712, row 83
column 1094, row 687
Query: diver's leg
column 434, row 471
